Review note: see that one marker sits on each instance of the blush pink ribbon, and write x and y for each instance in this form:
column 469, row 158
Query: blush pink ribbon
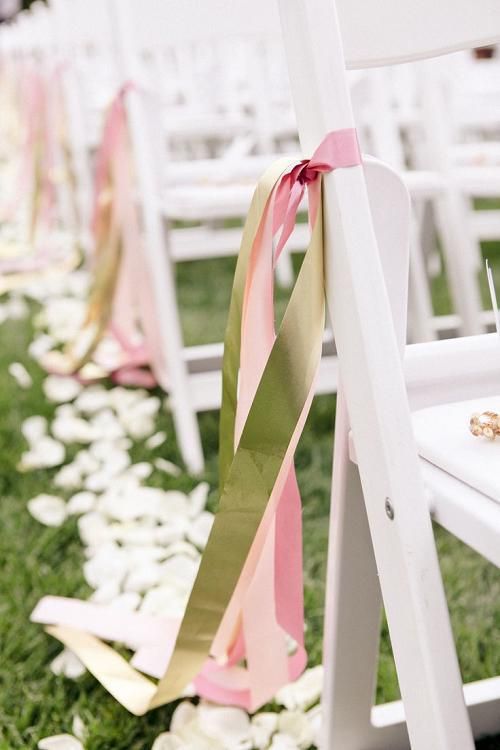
column 266, row 609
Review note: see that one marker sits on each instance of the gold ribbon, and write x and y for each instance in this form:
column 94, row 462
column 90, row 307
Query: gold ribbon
column 247, row 477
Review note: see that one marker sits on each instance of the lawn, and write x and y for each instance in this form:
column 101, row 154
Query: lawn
column 36, row 560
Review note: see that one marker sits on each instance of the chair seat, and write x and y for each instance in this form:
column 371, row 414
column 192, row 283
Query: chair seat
column 213, row 188
column 466, row 513
column 461, row 473
column 478, row 182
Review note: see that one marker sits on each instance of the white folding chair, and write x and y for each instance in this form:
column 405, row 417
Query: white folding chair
column 210, row 190
column 32, row 54
column 381, row 530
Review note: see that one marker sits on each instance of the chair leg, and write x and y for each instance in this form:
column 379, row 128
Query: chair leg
column 352, row 627
column 284, row 271
column 352, row 608
column 183, row 412
column 461, row 262
column 420, row 303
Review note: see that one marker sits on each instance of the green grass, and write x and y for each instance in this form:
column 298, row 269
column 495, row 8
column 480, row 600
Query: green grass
column 35, row 560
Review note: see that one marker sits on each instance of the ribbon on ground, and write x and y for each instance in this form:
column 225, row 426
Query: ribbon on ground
column 246, row 602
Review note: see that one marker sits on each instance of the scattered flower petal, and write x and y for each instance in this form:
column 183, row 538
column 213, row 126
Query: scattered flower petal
column 167, row 466
column 60, row 389
column 304, row 692
column 68, row 664
column 60, row 742
column 81, row 502
column 20, row 375
column 198, row 499
column 48, row 509
column 34, row 428
column 156, row 440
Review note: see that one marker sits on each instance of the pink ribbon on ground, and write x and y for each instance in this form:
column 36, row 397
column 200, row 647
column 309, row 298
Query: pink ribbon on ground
column 266, row 608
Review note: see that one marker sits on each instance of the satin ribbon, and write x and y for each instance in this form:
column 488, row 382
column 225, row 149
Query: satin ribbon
column 42, row 157
column 120, row 300
column 246, row 602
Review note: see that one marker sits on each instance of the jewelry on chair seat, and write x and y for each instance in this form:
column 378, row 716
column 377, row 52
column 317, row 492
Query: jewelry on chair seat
column 486, row 424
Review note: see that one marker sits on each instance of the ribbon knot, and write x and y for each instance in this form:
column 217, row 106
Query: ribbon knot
column 339, row 148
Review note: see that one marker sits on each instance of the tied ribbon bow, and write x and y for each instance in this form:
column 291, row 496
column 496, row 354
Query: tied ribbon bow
column 339, row 148
column 246, row 604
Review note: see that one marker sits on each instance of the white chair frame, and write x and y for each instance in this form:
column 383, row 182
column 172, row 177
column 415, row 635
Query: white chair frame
column 383, row 497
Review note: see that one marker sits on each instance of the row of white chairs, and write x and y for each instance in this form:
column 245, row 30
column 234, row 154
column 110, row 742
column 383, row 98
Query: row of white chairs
column 209, row 109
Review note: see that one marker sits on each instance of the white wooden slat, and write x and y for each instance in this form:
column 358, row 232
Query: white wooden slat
column 387, row 32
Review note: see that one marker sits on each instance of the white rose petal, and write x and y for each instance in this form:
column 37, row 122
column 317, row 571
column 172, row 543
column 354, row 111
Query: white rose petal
column 40, row 346
column 143, row 578
column 198, row 499
column 142, row 470
column 61, row 389
column 86, row 462
column 179, row 571
column 314, row 717
column 173, row 505
column 20, row 375
column 264, row 725
column 34, row 428
column 60, row 742
column 70, row 429
column 107, row 593
column 93, row 529
column 168, row 741
column 139, row 427
column 167, row 466
column 143, row 555
column 122, row 399
column 45, row 454
column 156, row 440
column 163, row 601
column 16, row 308
column 81, row 502
column 304, row 692
column 93, row 399
column 107, row 426
column 68, row 664
column 48, row 509
column 116, row 461
column 185, row 713
column 296, row 725
column 169, row 533
column 134, row 533
column 128, row 601
column 78, row 727
column 100, row 449
column 68, row 477
column 283, row 742
column 229, row 726
column 181, row 548
column 109, row 564
column 130, row 504
column 199, row 531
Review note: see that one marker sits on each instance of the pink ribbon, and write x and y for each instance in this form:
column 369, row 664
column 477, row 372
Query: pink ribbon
column 267, row 605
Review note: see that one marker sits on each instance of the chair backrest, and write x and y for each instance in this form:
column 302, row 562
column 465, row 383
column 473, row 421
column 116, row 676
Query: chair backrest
column 211, row 57
column 386, row 32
